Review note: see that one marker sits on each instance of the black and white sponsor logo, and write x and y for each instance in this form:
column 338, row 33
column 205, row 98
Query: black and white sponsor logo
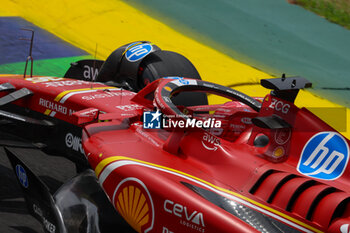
column 236, row 127
column 48, row 225
column 210, row 85
column 147, row 137
column 89, row 113
column 158, row 101
column 167, row 99
column 224, row 110
column 188, row 218
column 90, row 73
column 279, row 106
column 42, row 79
column 130, row 107
column 66, row 83
column 53, row 106
column 74, row 143
column 110, row 94
column 210, row 142
column 246, row 120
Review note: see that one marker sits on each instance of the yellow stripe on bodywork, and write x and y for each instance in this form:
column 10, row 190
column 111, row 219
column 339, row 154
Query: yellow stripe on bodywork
column 62, row 94
column 11, row 75
column 47, row 112
column 99, row 168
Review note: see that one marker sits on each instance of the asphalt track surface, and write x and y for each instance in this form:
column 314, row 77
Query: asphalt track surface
column 53, row 170
column 46, row 45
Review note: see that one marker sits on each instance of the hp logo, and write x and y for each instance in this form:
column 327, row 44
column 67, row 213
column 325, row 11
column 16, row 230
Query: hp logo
column 22, row 175
column 135, row 52
column 324, row 156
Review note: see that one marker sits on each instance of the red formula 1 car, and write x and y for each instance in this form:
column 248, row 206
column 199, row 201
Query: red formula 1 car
column 169, row 162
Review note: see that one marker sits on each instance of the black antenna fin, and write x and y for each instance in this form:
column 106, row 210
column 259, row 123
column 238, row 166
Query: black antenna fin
column 283, row 76
column 94, row 75
column 30, row 53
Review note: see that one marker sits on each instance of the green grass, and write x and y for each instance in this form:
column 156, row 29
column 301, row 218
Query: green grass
column 336, row 11
column 56, row 67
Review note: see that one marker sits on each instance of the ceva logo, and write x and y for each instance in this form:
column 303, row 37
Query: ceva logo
column 324, row 156
column 135, row 51
column 184, row 213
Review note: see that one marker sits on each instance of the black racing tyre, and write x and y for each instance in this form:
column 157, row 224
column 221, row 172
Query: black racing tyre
column 161, row 64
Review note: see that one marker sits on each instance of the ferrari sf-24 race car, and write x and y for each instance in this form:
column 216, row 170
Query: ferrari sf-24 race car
column 153, row 156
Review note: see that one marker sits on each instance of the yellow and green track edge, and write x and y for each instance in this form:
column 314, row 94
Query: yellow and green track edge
column 112, row 23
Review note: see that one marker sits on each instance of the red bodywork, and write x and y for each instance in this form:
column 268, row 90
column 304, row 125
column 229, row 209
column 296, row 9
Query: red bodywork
column 147, row 173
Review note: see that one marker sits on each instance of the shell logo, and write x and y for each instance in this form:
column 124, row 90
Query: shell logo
column 134, row 203
column 167, row 88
